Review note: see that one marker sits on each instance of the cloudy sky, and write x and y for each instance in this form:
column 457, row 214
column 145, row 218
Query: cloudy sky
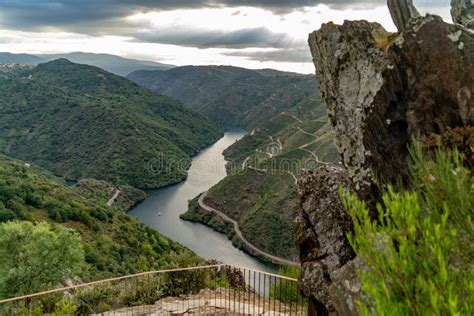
column 246, row 33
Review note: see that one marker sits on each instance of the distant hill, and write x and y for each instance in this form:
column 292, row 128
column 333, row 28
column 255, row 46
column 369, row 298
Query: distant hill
column 229, row 95
column 82, row 122
column 25, row 59
column 112, row 63
column 277, row 73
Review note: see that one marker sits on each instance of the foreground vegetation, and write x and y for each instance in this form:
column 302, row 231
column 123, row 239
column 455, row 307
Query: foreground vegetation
column 419, row 254
column 79, row 121
column 135, row 291
column 112, row 242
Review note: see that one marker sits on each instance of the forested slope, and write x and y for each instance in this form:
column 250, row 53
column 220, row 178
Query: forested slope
column 80, row 121
column 114, row 243
column 229, row 95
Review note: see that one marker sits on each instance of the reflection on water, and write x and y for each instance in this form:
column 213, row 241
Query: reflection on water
column 207, row 169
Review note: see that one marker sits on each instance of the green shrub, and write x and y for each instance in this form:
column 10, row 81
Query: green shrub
column 7, row 215
column 416, row 257
column 145, row 290
column 185, row 282
column 96, row 299
column 287, row 291
column 65, row 307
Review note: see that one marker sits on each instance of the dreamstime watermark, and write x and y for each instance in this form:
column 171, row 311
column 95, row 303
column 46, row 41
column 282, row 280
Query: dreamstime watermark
column 162, row 165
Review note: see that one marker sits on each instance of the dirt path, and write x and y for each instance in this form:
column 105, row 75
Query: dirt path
column 241, row 236
column 114, row 197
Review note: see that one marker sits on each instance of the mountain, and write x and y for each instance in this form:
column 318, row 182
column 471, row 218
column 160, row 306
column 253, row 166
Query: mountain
column 112, row 63
column 115, row 64
column 229, row 95
column 259, row 191
column 114, row 243
column 80, row 121
column 24, row 59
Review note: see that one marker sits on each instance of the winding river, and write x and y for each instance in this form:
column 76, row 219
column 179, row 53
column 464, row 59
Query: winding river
column 162, row 208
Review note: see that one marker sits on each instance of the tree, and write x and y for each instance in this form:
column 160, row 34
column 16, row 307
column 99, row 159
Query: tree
column 36, row 257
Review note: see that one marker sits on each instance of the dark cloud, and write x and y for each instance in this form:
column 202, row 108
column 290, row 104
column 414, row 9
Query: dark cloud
column 252, row 37
column 297, row 55
column 105, row 17
column 80, row 14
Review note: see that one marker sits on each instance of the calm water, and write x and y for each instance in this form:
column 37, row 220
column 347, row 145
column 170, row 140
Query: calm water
column 207, row 169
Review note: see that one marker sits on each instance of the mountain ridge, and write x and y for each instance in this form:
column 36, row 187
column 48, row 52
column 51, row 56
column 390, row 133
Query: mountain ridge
column 229, row 95
column 81, row 121
column 113, row 63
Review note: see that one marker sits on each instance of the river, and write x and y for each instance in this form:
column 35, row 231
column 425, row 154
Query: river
column 207, row 169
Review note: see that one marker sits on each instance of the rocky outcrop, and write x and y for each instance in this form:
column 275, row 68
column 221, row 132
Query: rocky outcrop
column 402, row 11
column 321, row 225
column 462, row 12
column 381, row 90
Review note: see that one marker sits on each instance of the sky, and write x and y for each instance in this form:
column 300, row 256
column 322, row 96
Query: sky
column 245, row 33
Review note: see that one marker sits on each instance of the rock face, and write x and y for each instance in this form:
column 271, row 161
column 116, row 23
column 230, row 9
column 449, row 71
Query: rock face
column 462, row 12
column 381, row 90
column 321, row 225
column 402, row 11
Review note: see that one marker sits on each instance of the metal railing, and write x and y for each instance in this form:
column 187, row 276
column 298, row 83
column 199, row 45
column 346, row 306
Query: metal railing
column 205, row 290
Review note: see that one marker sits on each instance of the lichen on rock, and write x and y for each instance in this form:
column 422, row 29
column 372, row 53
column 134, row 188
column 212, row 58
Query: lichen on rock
column 462, row 12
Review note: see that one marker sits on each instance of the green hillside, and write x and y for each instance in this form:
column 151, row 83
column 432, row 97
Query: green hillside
column 114, row 243
column 230, row 95
column 80, row 121
column 260, row 190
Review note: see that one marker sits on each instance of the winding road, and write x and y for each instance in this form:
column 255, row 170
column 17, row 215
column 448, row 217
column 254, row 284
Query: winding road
column 273, row 258
column 114, row 197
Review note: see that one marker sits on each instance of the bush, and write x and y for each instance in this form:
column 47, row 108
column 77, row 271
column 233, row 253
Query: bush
column 284, row 290
column 7, row 215
column 145, row 290
column 97, row 299
column 416, row 256
column 185, row 282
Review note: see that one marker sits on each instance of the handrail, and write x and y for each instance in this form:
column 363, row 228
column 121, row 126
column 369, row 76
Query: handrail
column 73, row 287
column 262, row 272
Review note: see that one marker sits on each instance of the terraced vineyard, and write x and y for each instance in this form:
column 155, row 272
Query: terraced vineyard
column 259, row 191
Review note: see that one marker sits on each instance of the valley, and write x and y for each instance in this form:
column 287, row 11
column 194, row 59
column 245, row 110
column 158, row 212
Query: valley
column 145, row 140
column 289, row 131
column 259, row 191
column 162, row 209
column 236, row 157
